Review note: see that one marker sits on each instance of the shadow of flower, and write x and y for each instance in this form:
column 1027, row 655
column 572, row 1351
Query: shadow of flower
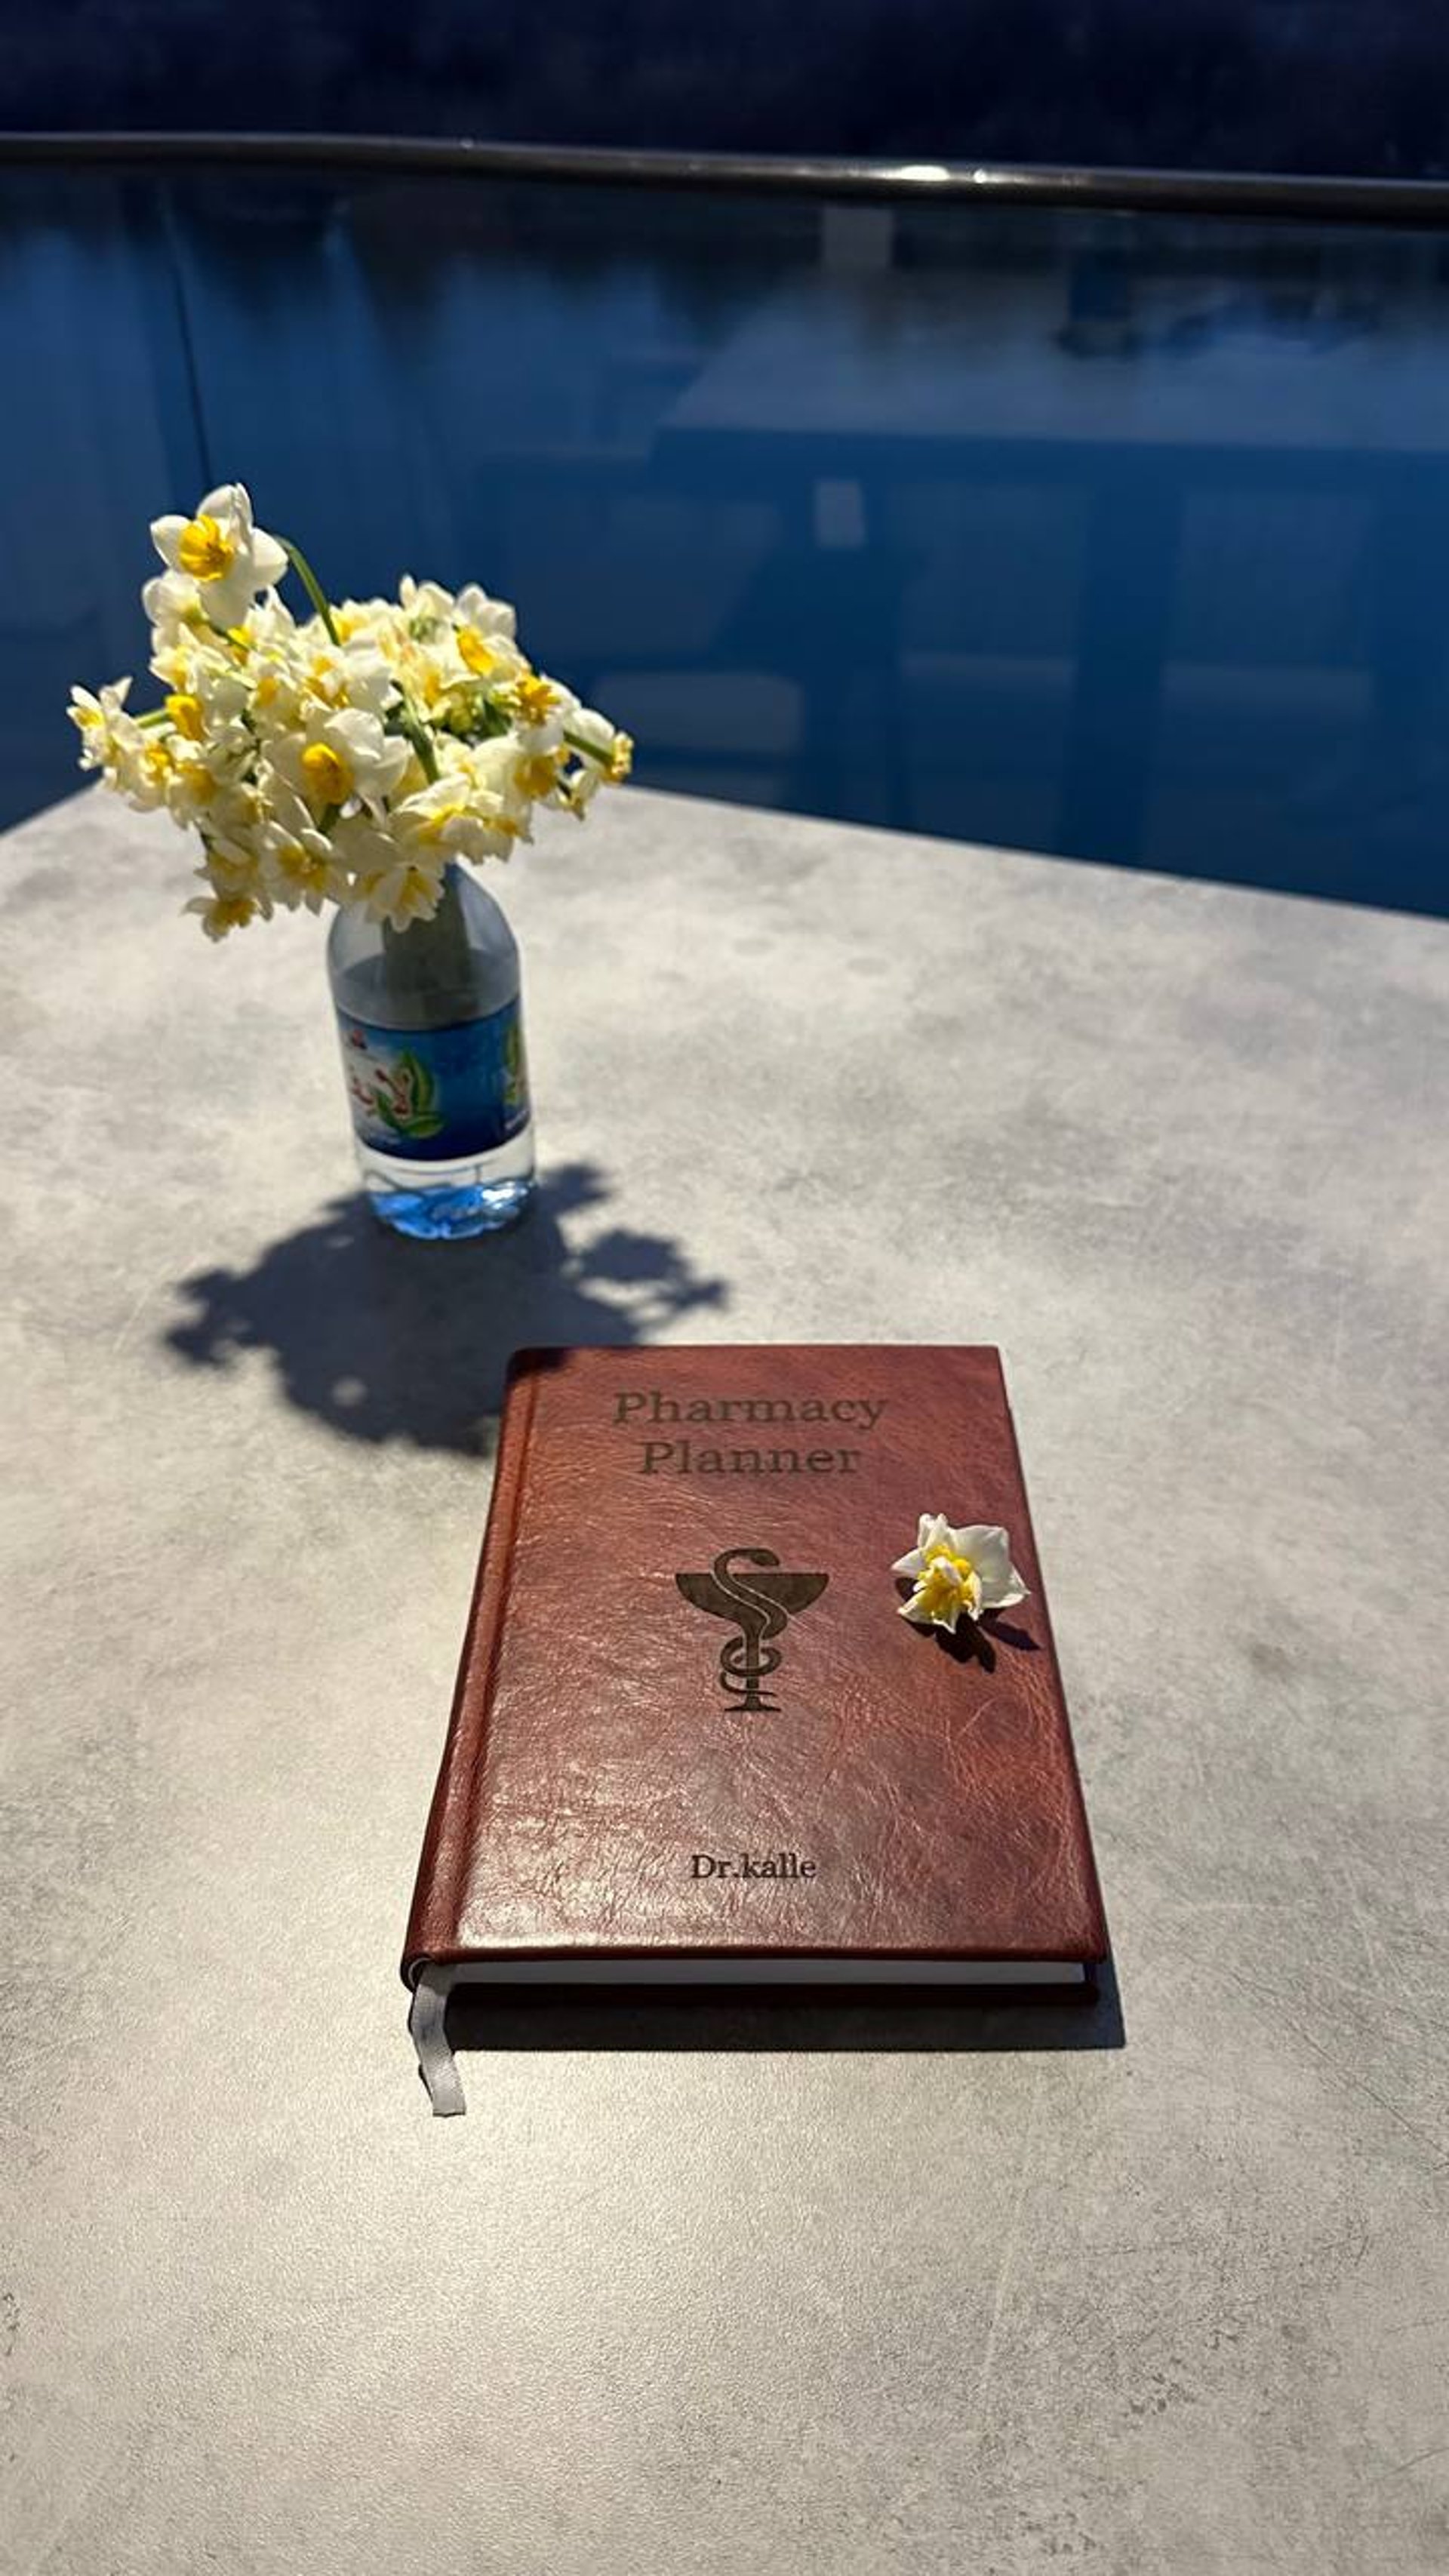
column 384, row 1339
column 974, row 1641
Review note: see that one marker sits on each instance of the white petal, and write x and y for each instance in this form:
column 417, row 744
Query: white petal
column 227, row 600
column 913, row 1611
column 593, row 729
column 391, row 761
column 230, row 505
column 990, row 1553
column 982, row 1542
column 913, row 1564
column 354, row 730
column 166, row 536
column 269, row 560
column 473, row 607
column 166, row 595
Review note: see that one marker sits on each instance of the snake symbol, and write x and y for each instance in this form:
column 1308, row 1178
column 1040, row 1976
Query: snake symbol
column 761, row 1606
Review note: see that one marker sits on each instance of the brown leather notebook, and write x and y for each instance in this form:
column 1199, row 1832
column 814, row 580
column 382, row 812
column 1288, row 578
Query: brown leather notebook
column 693, row 1737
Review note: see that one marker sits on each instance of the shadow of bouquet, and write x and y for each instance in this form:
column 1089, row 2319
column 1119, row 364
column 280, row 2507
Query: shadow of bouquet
column 385, row 1339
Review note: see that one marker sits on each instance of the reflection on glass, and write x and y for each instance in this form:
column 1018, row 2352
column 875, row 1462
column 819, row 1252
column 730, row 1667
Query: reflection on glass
column 1119, row 538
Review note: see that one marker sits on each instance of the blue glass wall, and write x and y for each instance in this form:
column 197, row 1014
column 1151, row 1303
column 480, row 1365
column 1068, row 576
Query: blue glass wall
column 1122, row 538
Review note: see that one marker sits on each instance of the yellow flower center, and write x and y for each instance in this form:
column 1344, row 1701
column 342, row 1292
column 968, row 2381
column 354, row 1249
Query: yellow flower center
column 538, row 774
column 301, row 867
column 948, row 1582
column 535, row 699
column 328, row 775
column 197, row 779
column 232, row 912
column 476, row 651
column 205, row 550
column 431, row 830
column 621, row 758
column 187, row 714
column 266, row 689
column 949, row 1577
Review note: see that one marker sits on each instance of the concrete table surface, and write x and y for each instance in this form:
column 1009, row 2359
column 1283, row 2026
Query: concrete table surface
column 972, row 2309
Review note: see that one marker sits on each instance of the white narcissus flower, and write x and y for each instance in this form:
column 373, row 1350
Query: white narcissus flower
column 99, row 719
column 173, row 605
column 450, row 817
column 473, row 607
column 485, row 636
column 541, row 708
column 343, row 755
column 298, row 864
column 222, row 552
column 221, row 913
column 423, row 603
column 208, row 709
column 371, row 620
column 394, row 885
column 607, row 755
column 200, row 779
column 235, row 894
column 956, row 1570
column 345, row 675
column 294, row 677
column 484, row 773
column 132, row 758
column 535, row 778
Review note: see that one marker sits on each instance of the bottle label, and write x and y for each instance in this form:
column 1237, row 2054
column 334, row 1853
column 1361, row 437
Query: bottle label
column 435, row 1095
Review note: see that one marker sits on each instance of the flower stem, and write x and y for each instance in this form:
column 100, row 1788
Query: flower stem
column 310, row 584
column 586, row 750
column 411, row 726
column 408, row 722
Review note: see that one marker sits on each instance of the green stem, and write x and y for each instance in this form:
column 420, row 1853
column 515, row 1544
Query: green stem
column 413, row 729
column 310, row 584
column 408, row 723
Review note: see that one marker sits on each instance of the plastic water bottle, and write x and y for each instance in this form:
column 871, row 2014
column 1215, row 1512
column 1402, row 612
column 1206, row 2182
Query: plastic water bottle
column 431, row 1024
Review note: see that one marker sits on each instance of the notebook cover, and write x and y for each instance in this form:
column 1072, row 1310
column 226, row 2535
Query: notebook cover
column 618, row 1720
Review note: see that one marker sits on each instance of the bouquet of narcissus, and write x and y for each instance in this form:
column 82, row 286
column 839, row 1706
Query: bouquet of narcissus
column 348, row 758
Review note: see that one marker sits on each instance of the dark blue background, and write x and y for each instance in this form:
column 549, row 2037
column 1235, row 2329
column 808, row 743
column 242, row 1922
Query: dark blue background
column 1325, row 85
column 1118, row 537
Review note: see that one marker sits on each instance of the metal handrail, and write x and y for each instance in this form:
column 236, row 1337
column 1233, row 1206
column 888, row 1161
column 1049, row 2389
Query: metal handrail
column 1285, row 197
